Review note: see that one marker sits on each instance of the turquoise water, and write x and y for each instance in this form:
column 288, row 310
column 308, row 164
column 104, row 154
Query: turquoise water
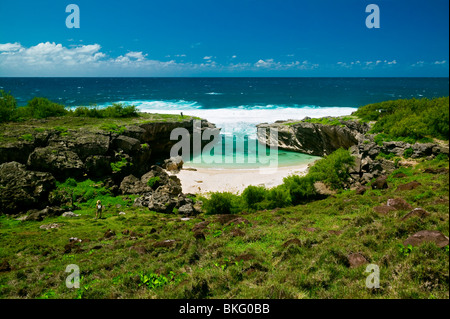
column 248, row 157
column 236, row 105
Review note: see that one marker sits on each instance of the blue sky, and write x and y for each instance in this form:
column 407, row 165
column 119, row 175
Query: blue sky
column 224, row 38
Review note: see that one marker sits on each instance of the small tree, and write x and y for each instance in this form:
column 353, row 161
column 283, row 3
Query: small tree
column 8, row 105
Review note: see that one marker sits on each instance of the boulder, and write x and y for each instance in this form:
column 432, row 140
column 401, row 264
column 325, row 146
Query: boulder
column 162, row 203
column 173, row 164
column 380, row 183
column 422, row 149
column 22, row 190
column 361, row 190
column 323, row 189
column 50, row 226
column 409, row 186
column 38, row 215
column 427, row 236
column 61, row 162
column 126, row 144
column 356, row 260
column 399, row 204
column 383, row 209
column 133, row 185
column 186, row 209
column 420, row 212
column 70, row 214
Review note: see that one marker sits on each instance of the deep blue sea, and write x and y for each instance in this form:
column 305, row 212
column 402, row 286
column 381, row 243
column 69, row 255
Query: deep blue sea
column 234, row 104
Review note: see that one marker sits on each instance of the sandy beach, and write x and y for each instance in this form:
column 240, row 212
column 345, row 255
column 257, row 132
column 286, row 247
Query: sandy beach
column 205, row 180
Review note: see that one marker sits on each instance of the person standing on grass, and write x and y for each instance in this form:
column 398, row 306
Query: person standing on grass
column 99, row 209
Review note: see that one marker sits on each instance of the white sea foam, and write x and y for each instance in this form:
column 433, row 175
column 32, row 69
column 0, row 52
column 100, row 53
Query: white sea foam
column 240, row 119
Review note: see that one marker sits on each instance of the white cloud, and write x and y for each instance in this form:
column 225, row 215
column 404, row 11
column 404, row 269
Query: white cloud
column 8, row 47
column 440, row 62
column 54, row 59
column 418, row 63
column 367, row 64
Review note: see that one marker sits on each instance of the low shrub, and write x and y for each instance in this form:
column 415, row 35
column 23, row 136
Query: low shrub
column 223, row 203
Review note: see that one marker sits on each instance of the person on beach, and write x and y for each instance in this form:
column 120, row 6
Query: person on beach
column 99, row 209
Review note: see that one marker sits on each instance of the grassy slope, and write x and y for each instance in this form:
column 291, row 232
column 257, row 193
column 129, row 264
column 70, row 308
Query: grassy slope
column 209, row 269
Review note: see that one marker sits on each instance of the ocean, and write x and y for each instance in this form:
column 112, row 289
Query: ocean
column 234, row 104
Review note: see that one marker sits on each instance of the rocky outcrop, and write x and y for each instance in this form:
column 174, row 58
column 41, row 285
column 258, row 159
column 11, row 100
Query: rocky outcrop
column 61, row 162
column 323, row 139
column 165, row 195
column 124, row 156
column 313, row 138
column 133, row 185
column 21, row 189
column 173, row 164
column 422, row 236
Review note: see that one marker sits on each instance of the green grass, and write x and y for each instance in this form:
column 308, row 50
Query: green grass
column 254, row 264
column 333, row 121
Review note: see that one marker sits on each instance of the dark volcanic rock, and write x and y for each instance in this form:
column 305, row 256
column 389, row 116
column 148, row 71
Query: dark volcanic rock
column 174, row 164
column 126, row 144
column 384, row 209
column 16, row 152
column 409, row 186
column 399, row 204
column 133, row 185
column 420, row 212
column 82, row 142
column 22, row 190
column 380, row 183
column 427, row 236
column 46, row 212
column 313, row 138
column 61, row 162
column 356, row 260
column 361, row 190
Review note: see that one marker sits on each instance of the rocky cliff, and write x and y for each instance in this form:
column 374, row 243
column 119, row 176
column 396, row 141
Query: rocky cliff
column 33, row 155
column 323, row 136
column 314, row 138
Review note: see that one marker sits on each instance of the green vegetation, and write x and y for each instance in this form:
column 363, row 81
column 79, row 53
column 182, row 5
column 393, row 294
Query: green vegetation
column 42, row 108
column 117, row 110
column 413, row 119
column 117, row 166
column 275, row 255
column 153, row 181
column 8, row 105
column 331, row 170
column 333, row 121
